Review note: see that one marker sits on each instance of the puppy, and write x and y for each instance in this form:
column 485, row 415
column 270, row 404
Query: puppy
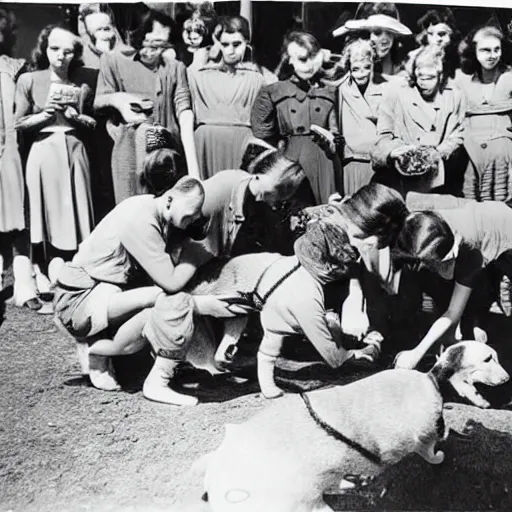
column 285, row 457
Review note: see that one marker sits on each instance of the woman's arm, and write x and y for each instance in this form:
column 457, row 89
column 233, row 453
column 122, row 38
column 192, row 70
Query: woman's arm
column 109, row 93
column 388, row 142
column 26, row 118
column 452, row 316
column 455, row 137
column 263, row 117
column 183, row 109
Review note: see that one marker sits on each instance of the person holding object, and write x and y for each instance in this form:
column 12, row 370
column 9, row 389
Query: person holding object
column 145, row 84
column 421, row 127
column 53, row 107
column 285, row 112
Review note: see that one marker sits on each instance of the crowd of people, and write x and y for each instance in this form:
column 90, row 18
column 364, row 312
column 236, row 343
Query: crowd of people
column 126, row 165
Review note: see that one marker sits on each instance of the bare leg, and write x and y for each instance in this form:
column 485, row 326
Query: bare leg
column 126, row 304
column 128, row 339
column 156, row 386
column 268, row 353
column 233, row 329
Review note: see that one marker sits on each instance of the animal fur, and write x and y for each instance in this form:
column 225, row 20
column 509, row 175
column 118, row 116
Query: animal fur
column 241, row 274
column 280, row 460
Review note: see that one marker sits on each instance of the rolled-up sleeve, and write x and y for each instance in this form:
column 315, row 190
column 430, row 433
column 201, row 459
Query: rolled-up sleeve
column 182, row 99
column 108, row 82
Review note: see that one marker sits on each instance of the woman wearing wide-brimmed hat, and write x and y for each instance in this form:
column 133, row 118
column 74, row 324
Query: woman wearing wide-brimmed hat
column 386, row 32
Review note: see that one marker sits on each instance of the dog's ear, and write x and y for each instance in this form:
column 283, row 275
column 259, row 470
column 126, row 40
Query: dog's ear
column 449, row 363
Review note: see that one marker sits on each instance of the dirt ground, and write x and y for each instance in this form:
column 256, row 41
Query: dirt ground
column 65, row 446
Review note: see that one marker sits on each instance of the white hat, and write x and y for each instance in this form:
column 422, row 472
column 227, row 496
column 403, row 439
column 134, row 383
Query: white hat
column 375, row 21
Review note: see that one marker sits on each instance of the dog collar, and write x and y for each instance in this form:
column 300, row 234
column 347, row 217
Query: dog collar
column 331, row 431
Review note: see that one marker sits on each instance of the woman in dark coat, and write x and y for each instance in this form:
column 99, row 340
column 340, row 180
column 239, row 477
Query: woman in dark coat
column 284, row 113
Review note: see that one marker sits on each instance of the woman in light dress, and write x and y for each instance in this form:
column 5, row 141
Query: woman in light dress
column 223, row 91
column 14, row 241
column 52, row 106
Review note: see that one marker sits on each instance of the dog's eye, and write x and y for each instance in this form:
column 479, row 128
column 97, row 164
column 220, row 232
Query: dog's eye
column 488, row 359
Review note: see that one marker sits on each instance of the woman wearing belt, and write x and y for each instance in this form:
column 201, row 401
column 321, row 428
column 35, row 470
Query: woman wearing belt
column 284, row 113
column 223, row 91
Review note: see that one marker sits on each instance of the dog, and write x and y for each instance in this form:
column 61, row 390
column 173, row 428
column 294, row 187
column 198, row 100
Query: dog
column 286, row 456
column 266, row 282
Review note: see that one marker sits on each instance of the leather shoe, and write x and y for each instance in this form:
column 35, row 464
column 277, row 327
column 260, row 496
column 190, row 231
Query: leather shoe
column 33, row 304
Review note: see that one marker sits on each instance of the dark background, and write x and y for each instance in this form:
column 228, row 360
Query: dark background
column 270, row 20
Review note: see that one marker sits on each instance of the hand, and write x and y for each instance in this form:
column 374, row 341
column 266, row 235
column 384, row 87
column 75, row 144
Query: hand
column 71, row 113
column 53, row 104
column 325, row 139
column 131, row 117
column 212, row 305
column 407, row 360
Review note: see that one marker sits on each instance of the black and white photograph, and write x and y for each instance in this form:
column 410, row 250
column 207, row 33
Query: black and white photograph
column 255, row 256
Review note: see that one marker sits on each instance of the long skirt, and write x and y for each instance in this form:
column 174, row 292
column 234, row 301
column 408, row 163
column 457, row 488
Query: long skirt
column 319, row 169
column 12, row 194
column 220, row 147
column 356, row 175
column 489, row 172
column 127, row 159
column 59, row 190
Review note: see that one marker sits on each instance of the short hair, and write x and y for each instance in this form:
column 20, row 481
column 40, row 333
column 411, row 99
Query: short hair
column 161, row 170
column 136, row 37
column 429, row 54
column 359, row 47
column 262, row 159
column 39, row 57
column 187, row 185
column 378, row 211
column 467, row 48
column 233, row 25
column 303, row 39
column 425, row 238
column 437, row 16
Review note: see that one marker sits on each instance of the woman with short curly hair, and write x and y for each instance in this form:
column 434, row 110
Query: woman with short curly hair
column 488, row 135
column 52, row 107
column 360, row 93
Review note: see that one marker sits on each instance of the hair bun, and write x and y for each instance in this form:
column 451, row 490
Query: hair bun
column 158, row 137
